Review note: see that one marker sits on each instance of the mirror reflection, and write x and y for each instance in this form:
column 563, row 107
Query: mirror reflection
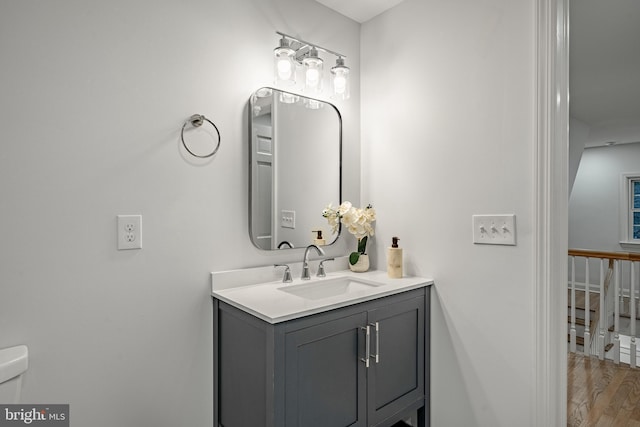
column 295, row 169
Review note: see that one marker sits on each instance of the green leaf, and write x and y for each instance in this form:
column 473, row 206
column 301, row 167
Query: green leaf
column 353, row 258
column 362, row 245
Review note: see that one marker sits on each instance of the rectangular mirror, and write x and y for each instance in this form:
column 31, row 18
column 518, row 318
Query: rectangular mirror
column 295, row 168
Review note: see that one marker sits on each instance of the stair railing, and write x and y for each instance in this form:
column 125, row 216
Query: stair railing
column 609, row 300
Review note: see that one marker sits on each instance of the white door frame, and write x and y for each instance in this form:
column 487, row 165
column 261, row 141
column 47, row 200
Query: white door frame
column 551, row 213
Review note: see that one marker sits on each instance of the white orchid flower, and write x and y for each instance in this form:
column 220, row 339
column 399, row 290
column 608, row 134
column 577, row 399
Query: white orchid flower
column 357, row 221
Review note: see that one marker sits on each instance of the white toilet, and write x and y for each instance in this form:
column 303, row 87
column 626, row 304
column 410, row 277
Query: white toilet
column 14, row 361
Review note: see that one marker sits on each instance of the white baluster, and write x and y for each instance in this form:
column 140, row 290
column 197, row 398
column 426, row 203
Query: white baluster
column 616, row 313
column 587, row 311
column 603, row 313
column 572, row 333
column 632, row 299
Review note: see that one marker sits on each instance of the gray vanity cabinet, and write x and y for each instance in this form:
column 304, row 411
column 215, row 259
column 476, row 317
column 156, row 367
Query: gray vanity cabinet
column 314, row 371
column 396, row 375
column 325, row 378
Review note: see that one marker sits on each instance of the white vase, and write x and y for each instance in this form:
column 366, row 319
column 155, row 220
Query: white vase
column 362, row 265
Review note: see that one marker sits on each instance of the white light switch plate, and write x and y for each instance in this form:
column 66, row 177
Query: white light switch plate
column 288, row 219
column 494, row 229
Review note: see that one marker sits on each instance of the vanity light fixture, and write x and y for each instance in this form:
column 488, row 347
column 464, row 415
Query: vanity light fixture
column 313, row 104
column 313, row 72
column 285, row 66
column 288, row 98
column 340, row 79
column 293, row 51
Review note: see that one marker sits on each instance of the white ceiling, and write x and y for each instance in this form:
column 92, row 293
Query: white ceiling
column 604, row 76
column 360, row 10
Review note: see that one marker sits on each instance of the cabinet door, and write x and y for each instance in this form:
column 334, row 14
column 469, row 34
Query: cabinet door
column 396, row 377
column 325, row 378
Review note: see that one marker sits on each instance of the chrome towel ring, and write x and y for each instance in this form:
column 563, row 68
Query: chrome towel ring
column 198, row 120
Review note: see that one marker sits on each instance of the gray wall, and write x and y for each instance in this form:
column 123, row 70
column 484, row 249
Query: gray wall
column 92, row 99
column 594, row 214
column 448, row 132
column 578, row 137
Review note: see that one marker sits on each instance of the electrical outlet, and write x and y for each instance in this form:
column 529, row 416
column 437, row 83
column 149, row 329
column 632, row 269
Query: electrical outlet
column 129, row 232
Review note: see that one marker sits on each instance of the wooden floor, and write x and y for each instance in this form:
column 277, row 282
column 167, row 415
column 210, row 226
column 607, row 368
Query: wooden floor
column 602, row 394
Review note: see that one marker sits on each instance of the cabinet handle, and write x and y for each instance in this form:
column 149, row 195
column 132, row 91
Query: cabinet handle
column 377, row 355
column 367, row 346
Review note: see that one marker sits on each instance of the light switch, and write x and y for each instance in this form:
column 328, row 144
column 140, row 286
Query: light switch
column 288, row 219
column 494, row 229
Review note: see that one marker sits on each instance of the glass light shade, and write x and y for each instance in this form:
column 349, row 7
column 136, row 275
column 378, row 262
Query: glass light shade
column 284, row 64
column 312, row 72
column 313, row 104
column 264, row 92
column 288, row 98
column 340, row 80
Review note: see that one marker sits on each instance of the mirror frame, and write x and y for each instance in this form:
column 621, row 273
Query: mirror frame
column 250, row 160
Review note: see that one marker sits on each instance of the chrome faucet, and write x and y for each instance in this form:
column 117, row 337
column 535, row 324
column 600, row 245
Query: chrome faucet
column 286, row 278
column 321, row 272
column 305, row 261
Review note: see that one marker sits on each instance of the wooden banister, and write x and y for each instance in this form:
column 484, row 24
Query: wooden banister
column 596, row 346
column 599, row 315
column 625, row 256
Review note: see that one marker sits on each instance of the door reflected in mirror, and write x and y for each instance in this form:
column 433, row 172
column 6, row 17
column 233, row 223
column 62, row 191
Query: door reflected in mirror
column 295, row 168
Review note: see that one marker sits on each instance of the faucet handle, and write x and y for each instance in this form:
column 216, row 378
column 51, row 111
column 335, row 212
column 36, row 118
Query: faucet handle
column 321, row 272
column 286, row 278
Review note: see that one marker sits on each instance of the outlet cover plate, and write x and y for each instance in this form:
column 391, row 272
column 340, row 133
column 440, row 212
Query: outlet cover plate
column 494, row 229
column 129, row 232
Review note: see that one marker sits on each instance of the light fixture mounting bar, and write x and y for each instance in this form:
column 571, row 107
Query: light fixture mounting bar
column 306, row 43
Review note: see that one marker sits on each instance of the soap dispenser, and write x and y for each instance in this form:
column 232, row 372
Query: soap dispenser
column 319, row 240
column 394, row 260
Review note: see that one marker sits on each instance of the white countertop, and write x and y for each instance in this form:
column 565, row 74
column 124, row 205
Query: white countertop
column 267, row 300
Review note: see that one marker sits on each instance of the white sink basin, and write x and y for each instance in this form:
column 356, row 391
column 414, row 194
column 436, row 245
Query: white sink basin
column 327, row 288
column 259, row 291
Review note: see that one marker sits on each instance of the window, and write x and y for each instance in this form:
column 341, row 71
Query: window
column 635, row 208
column 630, row 211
